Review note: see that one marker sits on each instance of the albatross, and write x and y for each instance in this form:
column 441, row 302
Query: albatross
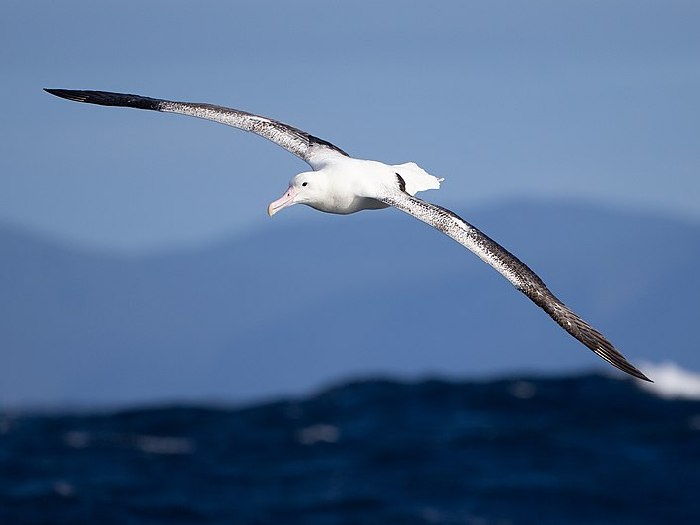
column 341, row 184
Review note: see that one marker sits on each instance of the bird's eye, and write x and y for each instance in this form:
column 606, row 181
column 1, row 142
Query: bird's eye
column 304, row 183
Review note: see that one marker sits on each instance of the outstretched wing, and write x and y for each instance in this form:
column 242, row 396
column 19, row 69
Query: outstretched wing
column 304, row 145
column 522, row 277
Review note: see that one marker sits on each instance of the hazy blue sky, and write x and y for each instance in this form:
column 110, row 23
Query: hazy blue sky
column 547, row 98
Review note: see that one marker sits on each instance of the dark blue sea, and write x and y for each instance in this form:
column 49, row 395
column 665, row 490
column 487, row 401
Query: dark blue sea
column 577, row 450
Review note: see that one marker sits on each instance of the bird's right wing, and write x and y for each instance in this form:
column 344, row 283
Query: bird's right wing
column 508, row 265
column 307, row 147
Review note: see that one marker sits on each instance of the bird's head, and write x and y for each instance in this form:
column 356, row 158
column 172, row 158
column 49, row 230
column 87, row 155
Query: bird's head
column 305, row 188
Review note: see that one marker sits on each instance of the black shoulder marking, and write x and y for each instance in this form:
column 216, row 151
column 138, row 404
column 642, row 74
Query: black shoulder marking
column 402, row 183
column 105, row 98
column 315, row 140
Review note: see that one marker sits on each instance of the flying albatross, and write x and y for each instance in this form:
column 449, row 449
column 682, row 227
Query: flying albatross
column 339, row 183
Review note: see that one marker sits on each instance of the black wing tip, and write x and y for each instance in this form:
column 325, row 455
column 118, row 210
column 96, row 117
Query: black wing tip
column 68, row 94
column 586, row 334
column 640, row 375
column 603, row 348
column 633, row 371
column 107, row 98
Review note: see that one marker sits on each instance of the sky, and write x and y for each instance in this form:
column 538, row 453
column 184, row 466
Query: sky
column 594, row 100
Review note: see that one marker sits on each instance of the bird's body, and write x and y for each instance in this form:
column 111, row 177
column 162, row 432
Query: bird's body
column 343, row 195
column 342, row 184
column 350, row 185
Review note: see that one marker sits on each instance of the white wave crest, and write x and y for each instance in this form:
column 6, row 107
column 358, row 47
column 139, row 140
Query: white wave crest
column 671, row 381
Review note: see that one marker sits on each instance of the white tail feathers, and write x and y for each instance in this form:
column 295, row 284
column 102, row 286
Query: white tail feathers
column 416, row 178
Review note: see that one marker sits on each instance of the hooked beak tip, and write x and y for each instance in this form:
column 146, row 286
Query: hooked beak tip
column 286, row 200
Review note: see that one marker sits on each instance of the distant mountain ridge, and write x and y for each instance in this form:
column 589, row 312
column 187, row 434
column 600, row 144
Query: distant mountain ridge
column 302, row 303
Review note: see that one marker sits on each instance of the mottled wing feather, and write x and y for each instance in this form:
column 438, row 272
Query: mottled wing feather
column 522, row 277
column 304, row 145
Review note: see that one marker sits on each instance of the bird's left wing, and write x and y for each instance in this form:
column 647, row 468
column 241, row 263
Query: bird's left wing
column 508, row 265
column 302, row 144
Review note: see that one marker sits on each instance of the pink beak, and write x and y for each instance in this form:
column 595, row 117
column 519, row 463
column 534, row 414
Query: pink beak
column 286, row 200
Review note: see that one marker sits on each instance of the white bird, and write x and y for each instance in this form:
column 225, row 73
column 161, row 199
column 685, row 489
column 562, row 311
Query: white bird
column 342, row 184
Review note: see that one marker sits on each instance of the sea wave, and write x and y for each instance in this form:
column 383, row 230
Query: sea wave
column 671, row 381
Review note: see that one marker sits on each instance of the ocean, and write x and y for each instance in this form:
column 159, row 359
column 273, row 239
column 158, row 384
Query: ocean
column 561, row 450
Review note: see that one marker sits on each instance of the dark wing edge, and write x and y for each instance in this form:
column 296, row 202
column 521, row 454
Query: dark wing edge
column 300, row 143
column 517, row 272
